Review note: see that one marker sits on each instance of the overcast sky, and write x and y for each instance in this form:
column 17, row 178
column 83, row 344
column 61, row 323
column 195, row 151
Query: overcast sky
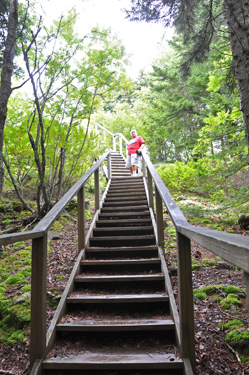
column 141, row 40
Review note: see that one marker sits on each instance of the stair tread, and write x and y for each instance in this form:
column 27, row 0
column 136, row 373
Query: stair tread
column 114, row 324
column 120, row 261
column 116, row 359
column 115, row 278
column 123, row 228
column 122, row 248
column 119, row 298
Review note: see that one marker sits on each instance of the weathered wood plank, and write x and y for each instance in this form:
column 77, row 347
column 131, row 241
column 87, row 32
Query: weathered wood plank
column 7, row 239
column 54, row 213
column 103, row 361
column 38, row 300
column 120, row 325
column 114, row 278
column 61, row 308
column 88, row 262
column 81, row 218
column 172, row 302
column 159, row 219
column 185, row 292
column 96, row 189
column 230, row 247
column 119, row 298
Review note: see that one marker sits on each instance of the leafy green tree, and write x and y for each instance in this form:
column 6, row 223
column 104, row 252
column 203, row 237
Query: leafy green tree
column 71, row 77
column 200, row 22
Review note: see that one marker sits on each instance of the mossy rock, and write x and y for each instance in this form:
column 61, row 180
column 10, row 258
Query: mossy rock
column 206, row 221
column 195, row 267
column 198, row 294
column 239, row 340
column 57, row 226
column 209, row 290
column 232, row 324
column 232, row 289
column 231, row 299
column 171, row 231
column 17, row 316
column 3, row 208
column 206, row 262
column 194, row 261
column 17, row 206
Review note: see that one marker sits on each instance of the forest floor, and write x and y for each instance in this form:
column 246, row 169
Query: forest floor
column 214, row 354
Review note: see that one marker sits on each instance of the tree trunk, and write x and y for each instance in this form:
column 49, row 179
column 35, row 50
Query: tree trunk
column 237, row 16
column 5, row 88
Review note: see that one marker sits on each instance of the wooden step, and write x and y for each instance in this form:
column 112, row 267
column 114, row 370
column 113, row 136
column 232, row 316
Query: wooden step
column 111, row 262
column 125, row 208
column 115, row 278
column 106, row 325
column 113, row 241
column 117, row 361
column 134, row 214
column 124, row 192
column 123, row 222
column 147, row 252
column 121, row 198
column 123, row 231
column 118, row 298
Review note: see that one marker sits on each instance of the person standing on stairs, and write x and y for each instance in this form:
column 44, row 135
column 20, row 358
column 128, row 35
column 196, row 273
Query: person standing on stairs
column 134, row 148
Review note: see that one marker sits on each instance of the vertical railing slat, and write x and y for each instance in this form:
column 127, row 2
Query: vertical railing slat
column 159, row 219
column 150, row 188
column 120, row 144
column 81, row 218
column 109, row 166
column 143, row 167
column 185, row 292
column 38, row 299
column 247, row 289
column 96, row 189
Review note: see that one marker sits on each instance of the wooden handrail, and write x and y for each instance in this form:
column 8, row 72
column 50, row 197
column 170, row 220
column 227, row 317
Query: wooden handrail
column 231, row 247
column 46, row 223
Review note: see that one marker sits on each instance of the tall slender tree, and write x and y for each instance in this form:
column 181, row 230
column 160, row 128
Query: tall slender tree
column 200, row 22
column 7, row 69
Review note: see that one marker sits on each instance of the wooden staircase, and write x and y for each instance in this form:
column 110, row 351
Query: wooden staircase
column 117, row 319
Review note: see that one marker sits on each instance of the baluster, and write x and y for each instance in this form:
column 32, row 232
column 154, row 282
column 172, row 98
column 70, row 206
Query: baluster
column 143, row 166
column 114, row 142
column 109, row 166
column 150, row 189
column 120, row 144
column 185, row 292
column 38, row 299
column 96, row 184
column 159, row 219
column 247, row 289
column 81, row 218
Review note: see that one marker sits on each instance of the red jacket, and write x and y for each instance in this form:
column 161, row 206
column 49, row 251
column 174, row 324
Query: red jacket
column 135, row 144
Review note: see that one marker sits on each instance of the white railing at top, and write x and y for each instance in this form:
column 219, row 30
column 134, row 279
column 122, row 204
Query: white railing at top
column 115, row 137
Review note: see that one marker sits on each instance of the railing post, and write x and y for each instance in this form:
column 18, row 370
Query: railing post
column 114, row 142
column 38, row 299
column 109, row 166
column 185, row 292
column 247, row 289
column 96, row 190
column 81, row 218
column 143, row 166
column 120, row 144
column 150, row 189
column 159, row 219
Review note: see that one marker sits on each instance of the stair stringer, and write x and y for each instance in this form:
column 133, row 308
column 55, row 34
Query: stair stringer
column 168, row 287
column 60, row 311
